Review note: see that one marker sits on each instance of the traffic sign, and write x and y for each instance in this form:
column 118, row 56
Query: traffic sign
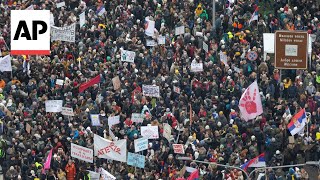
column 252, row 55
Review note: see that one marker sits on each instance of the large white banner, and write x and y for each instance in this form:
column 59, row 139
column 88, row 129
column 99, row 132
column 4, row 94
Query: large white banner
column 140, row 144
column 67, row 111
column 115, row 150
column 137, row 117
column 150, row 132
column 150, row 90
column 82, row 19
column 82, row 153
column 196, row 67
column 149, row 27
column 5, row 63
column 127, row 56
column 66, row 33
column 53, row 105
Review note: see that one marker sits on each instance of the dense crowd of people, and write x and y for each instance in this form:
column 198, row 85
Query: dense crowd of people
column 210, row 98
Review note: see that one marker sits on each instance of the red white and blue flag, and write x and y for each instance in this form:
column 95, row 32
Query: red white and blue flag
column 254, row 16
column 258, row 161
column 298, row 122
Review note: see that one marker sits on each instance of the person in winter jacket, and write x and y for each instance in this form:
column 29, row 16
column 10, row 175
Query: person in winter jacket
column 71, row 170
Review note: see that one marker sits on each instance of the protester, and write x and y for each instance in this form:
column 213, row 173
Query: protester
column 202, row 108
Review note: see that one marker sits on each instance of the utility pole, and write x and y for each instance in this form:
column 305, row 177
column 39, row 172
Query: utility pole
column 214, row 14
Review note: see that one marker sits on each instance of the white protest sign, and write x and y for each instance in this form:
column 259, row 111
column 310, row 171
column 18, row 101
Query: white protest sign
column 105, row 175
column 179, row 30
column 94, row 175
column 95, row 119
column 67, row 111
column 150, row 132
column 205, row 46
column 112, row 120
column 30, row 7
column 161, row 40
column 61, row 4
column 115, row 150
column 59, row 82
column 51, row 19
column 176, row 89
column 167, row 131
column 236, row 69
column 224, row 58
column 137, row 117
column 178, row 148
column 66, row 33
column 127, row 56
column 112, row 135
column 136, row 160
column 82, row 19
column 151, row 43
column 82, row 153
column 5, row 63
column 150, row 90
column 196, row 67
column 140, row 144
column 53, row 105
column 149, row 27
column 116, row 83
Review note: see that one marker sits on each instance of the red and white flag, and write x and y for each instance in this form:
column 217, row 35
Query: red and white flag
column 93, row 81
column 250, row 103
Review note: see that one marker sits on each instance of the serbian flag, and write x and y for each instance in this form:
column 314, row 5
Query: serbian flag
column 47, row 164
column 297, row 122
column 258, row 161
column 90, row 83
column 194, row 175
column 254, row 16
column 250, row 103
column 100, row 10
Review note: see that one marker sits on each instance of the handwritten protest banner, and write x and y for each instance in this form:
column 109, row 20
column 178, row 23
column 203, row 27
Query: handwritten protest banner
column 179, row 30
column 150, row 90
column 196, row 67
column 178, row 148
column 136, row 160
column 105, row 175
column 67, row 111
column 95, row 119
column 82, row 153
column 61, row 4
column 137, row 117
column 149, row 27
column 116, row 83
column 151, row 43
column 150, row 132
column 223, row 58
column 127, row 56
column 112, row 120
column 140, row 144
column 115, row 150
column 66, row 33
column 5, row 64
column 53, row 105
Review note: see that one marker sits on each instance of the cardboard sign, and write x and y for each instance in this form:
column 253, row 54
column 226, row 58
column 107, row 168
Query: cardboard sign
column 176, row 89
column 149, row 27
column 59, row 82
column 137, row 117
column 196, row 67
column 150, row 132
column 136, row 160
column 161, row 40
column 115, row 150
column 179, row 30
column 151, row 43
column 95, row 119
column 178, row 148
column 67, row 111
column 53, row 105
column 112, row 120
column 61, row 4
column 82, row 153
column 150, row 90
column 128, row 56
column 28, row 128
column 5, row 64
column 66, row 33
column 205, row 46
column 140, row 144
column 291, row 49
column 116, row 83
